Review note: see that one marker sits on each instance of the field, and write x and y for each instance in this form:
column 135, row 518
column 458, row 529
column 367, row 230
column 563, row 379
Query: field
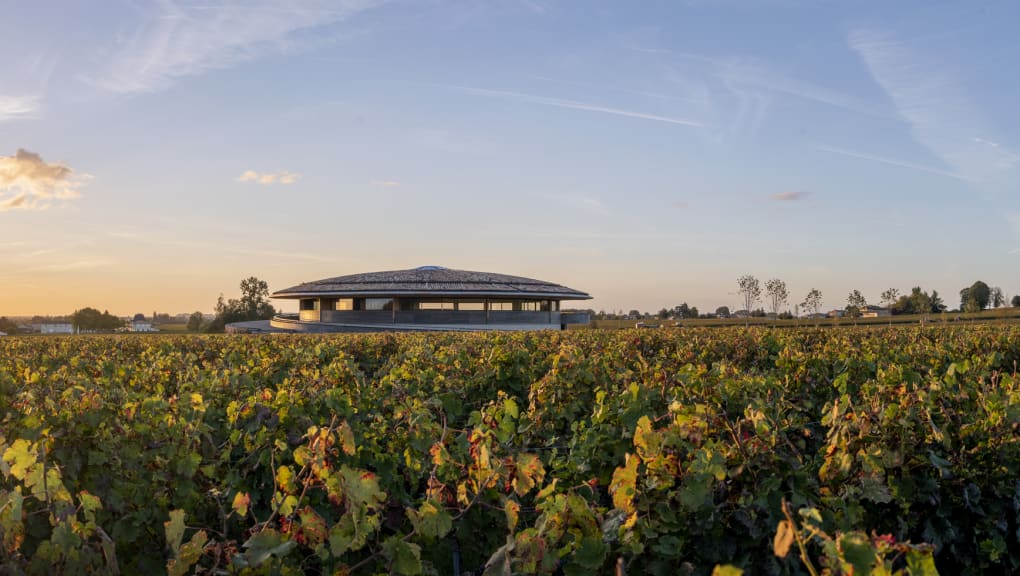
column 695, row 451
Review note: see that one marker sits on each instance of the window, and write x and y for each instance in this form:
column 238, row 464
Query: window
column 378, row 303
column 309, row 304
column 435, row 305
column 345, row 304
column 471, row 306
column 501, row 306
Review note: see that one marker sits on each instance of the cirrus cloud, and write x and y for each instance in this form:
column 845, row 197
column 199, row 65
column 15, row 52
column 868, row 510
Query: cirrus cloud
column 27, row 182
column 282, row 177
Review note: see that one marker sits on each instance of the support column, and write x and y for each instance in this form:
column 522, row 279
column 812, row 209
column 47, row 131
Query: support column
column 393, row 306
column 486, row 310
column 320, row 309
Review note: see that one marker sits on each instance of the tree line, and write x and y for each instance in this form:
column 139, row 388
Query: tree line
column 773, row 299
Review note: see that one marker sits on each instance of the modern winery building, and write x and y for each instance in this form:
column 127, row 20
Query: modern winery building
column 428, row 298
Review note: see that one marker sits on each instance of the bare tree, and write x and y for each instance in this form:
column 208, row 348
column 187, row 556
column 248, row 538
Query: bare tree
column 775, row 290
column 813, row 300
column 750, row 290
column 890, row 297
column 997, row 298
column 855, row 304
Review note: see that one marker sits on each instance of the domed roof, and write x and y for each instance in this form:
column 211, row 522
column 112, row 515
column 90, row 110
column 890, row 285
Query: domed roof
column 432, row 281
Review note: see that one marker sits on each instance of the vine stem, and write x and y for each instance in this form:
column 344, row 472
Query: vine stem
column 800, row 541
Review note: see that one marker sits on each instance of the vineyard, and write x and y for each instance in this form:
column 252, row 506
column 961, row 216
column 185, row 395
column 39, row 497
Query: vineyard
column 696, row 451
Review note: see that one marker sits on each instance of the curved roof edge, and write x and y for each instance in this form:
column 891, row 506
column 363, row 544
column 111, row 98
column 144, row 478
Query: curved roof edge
column 432, row 281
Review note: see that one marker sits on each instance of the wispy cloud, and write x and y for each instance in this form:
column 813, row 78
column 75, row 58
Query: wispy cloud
column 28, row 182
column 282, row 177
column 573, row 105
column 182, row 39
column 18, row 107
column 752, row 77
column 931, row 99
column 751, row 74
column 71, row 266
column 788, row 196
column 892, row 161
column 385, row 183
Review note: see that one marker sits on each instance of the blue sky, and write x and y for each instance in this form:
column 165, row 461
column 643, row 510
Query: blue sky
column 153, row 154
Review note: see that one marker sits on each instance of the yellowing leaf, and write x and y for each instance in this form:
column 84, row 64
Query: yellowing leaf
column 624, row 484
column 241, row 502
column 784, row 538
column 529, row 472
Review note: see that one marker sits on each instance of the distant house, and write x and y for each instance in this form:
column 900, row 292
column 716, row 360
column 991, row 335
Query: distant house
column 142, row 326
column 871, row 311
column 60, row 328
column 3, row 333
column 836, row 313
column 741, row 314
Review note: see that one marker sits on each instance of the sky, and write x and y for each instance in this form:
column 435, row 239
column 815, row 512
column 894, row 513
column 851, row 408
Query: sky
column 153, row 154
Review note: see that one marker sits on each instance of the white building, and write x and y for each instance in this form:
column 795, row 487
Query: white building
column 62, row 328
column 142, row 326
column 3, row 333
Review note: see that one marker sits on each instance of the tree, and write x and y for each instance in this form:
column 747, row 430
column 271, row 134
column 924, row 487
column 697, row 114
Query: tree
column 890, row 296
column 683, row 311
column 1015, row 301
column 255, row 299
column 253, row 305
column 855, row 304
column 975, row 297
column 775, row 289
column 813, row 301
column 8, row 326
column 996, row 297
column 920, row 301
column 139, row 317
column 92, row 320
column 750, row 290
column 722, row 311
column 195, row 322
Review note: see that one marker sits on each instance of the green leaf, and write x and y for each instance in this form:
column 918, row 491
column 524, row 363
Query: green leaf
column 188, row 555
column 590, row 554
column 264, row 545
column 404, row 557
column 432, row 521
column 858, row 552
column 89, row 505
column 921, row 563
column 174, row 529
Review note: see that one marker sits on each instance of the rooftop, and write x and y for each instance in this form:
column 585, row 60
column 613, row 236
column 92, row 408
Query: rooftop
column 432, row 281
